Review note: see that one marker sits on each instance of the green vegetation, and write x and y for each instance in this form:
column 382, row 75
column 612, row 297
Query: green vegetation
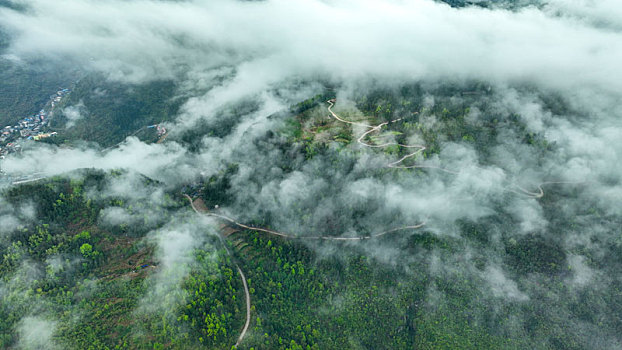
column 111, row 111
column 25, row 90
column 104, row 284
column 446, row 119
column 299, row 299
column 76, row 254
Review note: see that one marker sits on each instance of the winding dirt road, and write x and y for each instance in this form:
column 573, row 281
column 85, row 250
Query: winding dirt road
column 540, row 192
column 248, row 308
column 375, row 128
column 326, row 238
column 246, row 292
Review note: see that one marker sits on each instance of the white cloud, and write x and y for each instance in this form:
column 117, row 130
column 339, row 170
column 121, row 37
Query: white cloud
column 73, row 114
column 36, row 333
column 159, row 161
column 503, row 286
column 270, row 40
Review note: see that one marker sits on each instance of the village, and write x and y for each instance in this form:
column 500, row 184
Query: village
column 30, row 128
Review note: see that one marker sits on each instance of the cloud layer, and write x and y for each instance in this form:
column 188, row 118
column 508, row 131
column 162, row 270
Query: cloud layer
column 265, row 42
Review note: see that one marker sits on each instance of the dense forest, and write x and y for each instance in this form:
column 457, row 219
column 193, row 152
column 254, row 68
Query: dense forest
column 92, row 254
column 89, row 278
column 109, row 112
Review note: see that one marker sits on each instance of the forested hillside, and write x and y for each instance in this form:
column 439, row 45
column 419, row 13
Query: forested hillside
column 110, row 112
column 26, row 87
column 310, row 175
column 91, row 255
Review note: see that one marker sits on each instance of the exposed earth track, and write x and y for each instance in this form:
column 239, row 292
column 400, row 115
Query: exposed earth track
column 326, row 238
column 372, row 128
column 246, row 292
column 540, row 191
column 248, row 308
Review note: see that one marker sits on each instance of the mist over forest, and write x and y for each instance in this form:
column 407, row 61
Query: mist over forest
column 311, row 174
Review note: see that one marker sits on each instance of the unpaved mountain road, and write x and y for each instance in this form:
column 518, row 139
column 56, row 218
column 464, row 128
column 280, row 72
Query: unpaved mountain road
column 246, row 292
column 325, row 238
column 372, row 128
column 248, row 308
